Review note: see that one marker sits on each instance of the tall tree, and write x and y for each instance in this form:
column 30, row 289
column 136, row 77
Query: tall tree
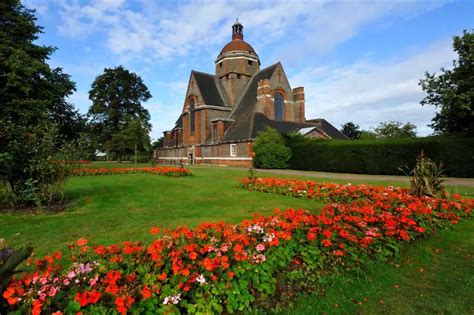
column 453, row 90
column 33, row 106
column 117, row 96
column 351, row 130
column 395, row 129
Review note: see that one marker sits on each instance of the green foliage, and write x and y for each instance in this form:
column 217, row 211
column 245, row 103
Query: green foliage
column 158, row 143
column 425, row 178
column 119, row 120
column 367, row 135
column 382, row 156
column 452, row 91
column 351, row 130
column 35, row 119
column 395, row 130
column 38, row 178
column 270, row 150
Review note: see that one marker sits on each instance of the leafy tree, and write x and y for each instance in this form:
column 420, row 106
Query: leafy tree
column 270, row 150
column 395, row 129
column 351, row 130
column 33, row 110
column 158, row 143
column 117, row 97
column 129, row 140
column 453, row 90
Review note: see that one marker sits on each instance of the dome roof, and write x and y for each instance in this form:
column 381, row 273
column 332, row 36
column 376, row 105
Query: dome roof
column 237, row 44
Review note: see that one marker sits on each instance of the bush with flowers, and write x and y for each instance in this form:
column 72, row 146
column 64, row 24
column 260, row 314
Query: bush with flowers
column 222, row 267
column 164, row 170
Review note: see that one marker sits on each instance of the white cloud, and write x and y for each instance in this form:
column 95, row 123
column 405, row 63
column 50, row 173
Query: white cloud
column 41, row 6
column 368, row 93
column 163, row 32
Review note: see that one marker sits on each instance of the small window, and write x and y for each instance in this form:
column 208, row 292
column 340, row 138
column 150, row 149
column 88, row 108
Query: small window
column 214, row 134
column 238, row 75
column 220, row 65
column 191, row 117
column 279, row 101
column 250, row 62
column 233, row 149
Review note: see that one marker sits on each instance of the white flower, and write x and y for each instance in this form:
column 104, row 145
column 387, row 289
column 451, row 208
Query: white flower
column 173, row 299
column 201, row 279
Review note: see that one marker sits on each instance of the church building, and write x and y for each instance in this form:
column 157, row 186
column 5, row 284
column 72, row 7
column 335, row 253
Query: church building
column 223, row 112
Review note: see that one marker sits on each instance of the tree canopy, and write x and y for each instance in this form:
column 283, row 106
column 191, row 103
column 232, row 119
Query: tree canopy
column 351, row 130
column 35, row 118
column 118, row 117
column 395, row 130
column 452, row 91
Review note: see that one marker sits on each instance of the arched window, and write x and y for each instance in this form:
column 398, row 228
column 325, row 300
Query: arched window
column 191, row 116
column 279, row 101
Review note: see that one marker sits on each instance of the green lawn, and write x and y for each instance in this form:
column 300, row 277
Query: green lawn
column 113, row 208
column 434, row 276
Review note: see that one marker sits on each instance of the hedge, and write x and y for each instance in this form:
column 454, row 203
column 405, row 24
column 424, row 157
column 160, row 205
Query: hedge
column 384, row 157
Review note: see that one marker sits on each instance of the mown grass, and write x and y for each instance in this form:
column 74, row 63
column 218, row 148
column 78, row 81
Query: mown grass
column 112, row 208
column 433, row 276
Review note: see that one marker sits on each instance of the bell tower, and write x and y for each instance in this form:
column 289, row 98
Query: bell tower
column 236, row 64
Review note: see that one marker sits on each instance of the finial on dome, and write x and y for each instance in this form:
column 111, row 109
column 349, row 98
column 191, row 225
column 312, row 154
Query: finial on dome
column 237, row 30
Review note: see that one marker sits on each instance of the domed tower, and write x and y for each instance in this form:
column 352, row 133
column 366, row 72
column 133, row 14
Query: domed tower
column 236, row 64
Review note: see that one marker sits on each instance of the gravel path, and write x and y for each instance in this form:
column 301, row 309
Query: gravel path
column 451, row 181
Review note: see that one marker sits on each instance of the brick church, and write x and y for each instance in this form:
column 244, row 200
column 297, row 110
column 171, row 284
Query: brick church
column 223, row 113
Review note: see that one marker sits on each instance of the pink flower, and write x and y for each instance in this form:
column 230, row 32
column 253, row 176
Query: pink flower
column 260, row 247
column 93, row 281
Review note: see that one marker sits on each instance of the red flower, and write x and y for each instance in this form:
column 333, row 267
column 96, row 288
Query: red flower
column 162, row 276
column 82, row 241
column 8, row 294
column 146, row 292
column 154, row 230
column 326, row 242
column 123, row 303
column 311, row 236
column 36, row 307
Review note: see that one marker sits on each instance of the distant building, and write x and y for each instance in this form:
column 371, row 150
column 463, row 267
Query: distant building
column 223, row 113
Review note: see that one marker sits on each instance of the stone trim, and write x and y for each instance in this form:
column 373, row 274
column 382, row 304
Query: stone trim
column 215, row 107
column 225, row 158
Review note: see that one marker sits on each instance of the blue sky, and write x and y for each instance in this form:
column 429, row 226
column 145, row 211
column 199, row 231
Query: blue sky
column 359, row 61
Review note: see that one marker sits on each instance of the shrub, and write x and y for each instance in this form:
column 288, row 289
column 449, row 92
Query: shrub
column 381, row 156
column 425, row 178
column 35, row 173
column 270, row 150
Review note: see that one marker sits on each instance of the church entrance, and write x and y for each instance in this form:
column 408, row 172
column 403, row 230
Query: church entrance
column 190, row 159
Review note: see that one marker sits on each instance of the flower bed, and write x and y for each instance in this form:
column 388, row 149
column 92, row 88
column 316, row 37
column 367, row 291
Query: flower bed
column 168, row 171
column 319, row 191
column 220, row 267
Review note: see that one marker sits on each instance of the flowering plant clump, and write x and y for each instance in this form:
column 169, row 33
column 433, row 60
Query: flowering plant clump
column 328, row 192
column 165, row 170
column 225, row 267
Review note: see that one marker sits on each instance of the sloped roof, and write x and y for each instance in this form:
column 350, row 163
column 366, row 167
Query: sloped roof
column 249, row 96
column 324, row 126
column 210, row 88
column 248, row 126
